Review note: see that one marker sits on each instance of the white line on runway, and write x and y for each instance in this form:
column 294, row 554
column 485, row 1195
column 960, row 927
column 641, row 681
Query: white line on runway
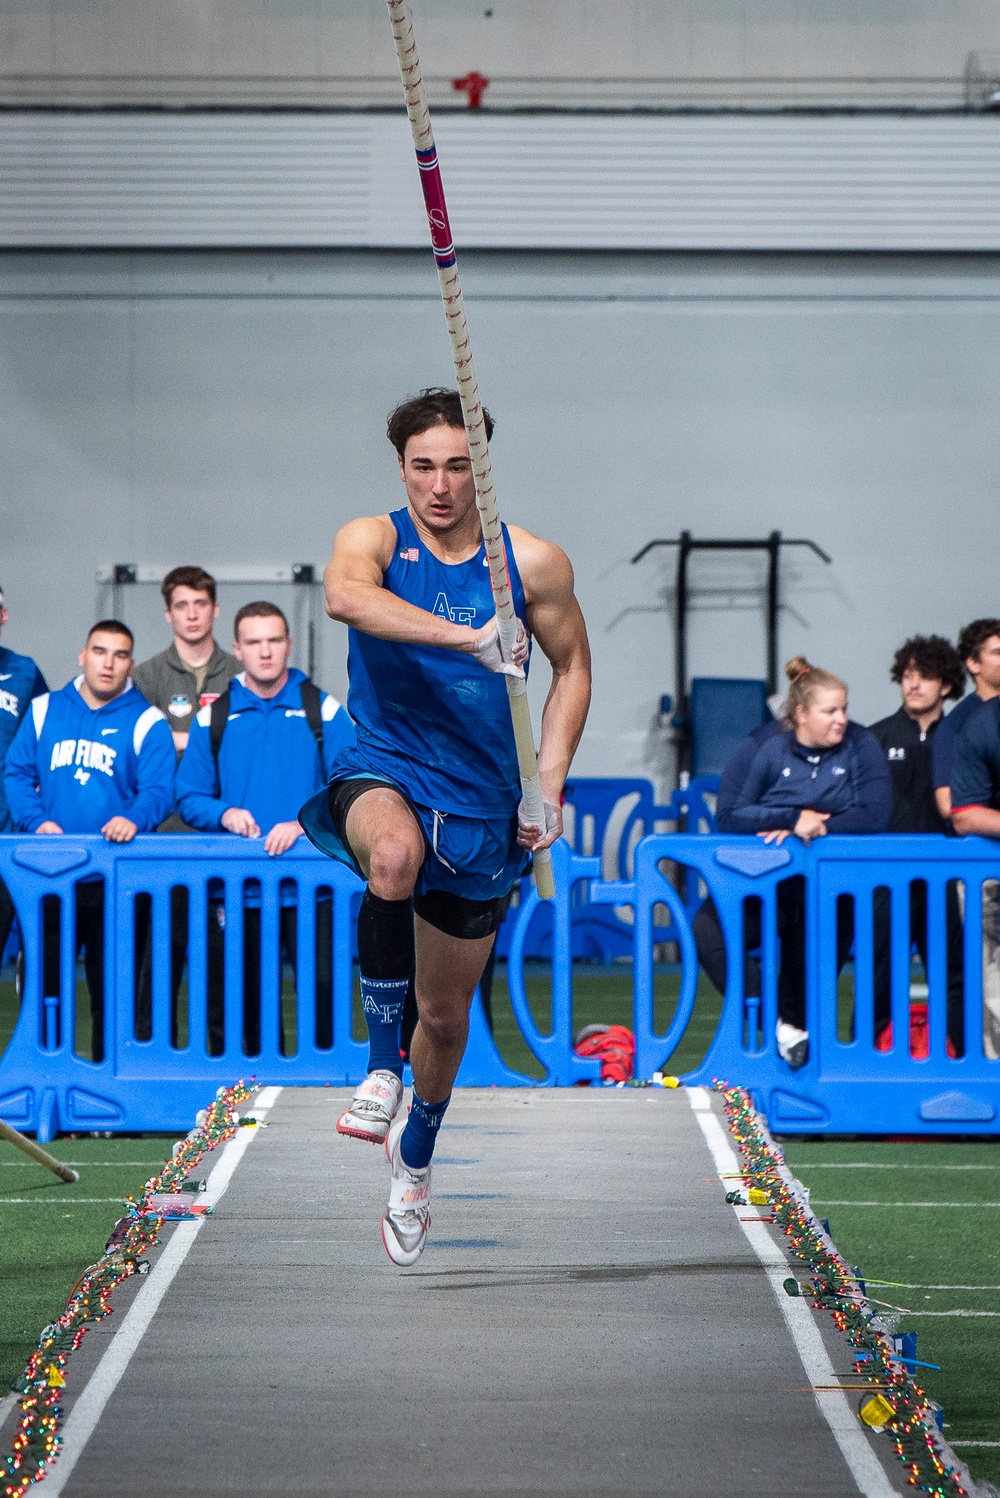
column 123, row 1164
column 990, row 1288
column 866, row 1165
column 861, row 1461
column 58, row 1201
column 826, row 1202
column 89, row 1406
column 953, row 1313
column 974, row 1443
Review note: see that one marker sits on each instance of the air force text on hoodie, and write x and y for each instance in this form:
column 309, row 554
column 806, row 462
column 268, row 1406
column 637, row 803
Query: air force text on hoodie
column 80, row 766
column 268, row 760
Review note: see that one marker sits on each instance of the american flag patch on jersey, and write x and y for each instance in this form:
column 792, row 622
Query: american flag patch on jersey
column 411, row 554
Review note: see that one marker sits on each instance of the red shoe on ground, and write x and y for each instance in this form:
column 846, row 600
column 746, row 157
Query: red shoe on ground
column 919, row 1036
column 920, row 1040
column 883, row 1038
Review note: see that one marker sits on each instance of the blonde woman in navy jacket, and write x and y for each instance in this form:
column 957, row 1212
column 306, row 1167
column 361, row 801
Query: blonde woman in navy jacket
column 819, row 774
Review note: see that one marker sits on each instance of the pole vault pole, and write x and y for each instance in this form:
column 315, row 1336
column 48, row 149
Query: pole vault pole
column 36, row 1152
column 472, row 410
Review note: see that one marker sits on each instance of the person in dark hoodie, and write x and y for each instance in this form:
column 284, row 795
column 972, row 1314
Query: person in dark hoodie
column 91, row 758
column 821, row 774
column 929, row 671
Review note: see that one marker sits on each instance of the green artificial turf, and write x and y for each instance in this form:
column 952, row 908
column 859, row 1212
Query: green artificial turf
column 51, row 1232
column 956, row 1243
column 601, row 995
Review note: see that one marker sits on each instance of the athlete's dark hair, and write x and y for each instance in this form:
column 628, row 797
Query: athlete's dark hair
column 935, row 658
column 259, row 610
column 974, row 636
column 434, row 407
column 187, row 577
column 111, row 627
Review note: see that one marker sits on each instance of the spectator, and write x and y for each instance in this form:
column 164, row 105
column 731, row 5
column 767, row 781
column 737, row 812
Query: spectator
column 192, row 671
column 928, row 670
column 736, row 767
column 94, row 757
column 979, row 648
column 706, row 927
column 187, row 676
column 20, row 682
column 975, row 797
column 252, row 760
column 821, row 774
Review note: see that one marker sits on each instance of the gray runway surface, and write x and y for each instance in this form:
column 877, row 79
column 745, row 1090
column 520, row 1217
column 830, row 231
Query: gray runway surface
column 587, row 1318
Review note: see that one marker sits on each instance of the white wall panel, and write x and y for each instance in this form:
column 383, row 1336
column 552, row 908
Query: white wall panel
column 545, row 181
column 229, row 409
column 577, row 53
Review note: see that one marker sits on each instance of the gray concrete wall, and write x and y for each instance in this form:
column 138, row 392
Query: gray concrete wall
column 229, row 408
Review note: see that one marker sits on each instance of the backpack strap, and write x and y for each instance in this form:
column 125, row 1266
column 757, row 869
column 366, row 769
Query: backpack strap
column 219, row 714
column 312, row 705
column 312, row 702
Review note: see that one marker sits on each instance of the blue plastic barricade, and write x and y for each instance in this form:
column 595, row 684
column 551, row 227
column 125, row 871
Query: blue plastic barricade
column 862, row 899
column 224, row 912
column 220, row 909
column 605, row 819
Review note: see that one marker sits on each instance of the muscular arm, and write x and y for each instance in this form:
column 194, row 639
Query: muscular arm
column 355, row 596
column 555, row 621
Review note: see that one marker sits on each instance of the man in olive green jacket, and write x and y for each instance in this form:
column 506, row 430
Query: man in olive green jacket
column 193, row 670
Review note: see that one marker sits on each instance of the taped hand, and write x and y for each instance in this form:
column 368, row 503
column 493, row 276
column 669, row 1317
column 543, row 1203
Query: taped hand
column 486, row 649
column 530, row 835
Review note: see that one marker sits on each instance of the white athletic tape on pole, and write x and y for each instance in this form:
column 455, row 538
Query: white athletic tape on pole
column 833, row 1405
column 93, row 1398
column 432, row 187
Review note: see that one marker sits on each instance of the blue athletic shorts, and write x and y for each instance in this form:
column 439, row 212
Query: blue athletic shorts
column 469, row 857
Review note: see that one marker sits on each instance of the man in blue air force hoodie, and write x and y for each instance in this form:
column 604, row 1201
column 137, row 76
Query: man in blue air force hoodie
column 20, row 681
column 94, row 757
column 267, row 765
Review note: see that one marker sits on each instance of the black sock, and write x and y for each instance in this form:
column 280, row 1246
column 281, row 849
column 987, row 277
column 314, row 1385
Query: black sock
column 386, row 959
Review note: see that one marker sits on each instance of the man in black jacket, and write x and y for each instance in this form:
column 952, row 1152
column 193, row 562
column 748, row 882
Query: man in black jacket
column 929, row 671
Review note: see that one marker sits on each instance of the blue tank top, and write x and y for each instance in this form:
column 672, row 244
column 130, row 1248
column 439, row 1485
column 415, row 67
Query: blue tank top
column 432, row 720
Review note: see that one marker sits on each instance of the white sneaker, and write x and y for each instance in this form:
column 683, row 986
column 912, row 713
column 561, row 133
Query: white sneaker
column 408, row 1216
column 793, row 1044
column 375, row 1105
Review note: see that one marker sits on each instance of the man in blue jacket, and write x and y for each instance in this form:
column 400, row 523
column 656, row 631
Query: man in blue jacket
column 20, row 681
column 94, row 757
column 266, row 760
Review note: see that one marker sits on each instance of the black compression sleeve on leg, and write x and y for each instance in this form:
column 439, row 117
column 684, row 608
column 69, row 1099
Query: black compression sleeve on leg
column 385, row 937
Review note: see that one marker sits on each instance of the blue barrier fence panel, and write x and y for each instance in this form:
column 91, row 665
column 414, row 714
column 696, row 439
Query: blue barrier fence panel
column 213, row 919
column 848, row 1084
column 243, row 913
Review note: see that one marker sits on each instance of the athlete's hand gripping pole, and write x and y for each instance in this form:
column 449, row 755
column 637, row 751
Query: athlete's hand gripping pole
column 472, row 410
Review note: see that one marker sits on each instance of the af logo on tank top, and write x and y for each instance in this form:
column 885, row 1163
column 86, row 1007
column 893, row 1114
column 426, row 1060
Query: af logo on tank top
column 444, row 610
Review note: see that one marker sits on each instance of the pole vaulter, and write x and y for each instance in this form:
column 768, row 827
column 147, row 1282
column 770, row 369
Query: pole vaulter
column 472, row 411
